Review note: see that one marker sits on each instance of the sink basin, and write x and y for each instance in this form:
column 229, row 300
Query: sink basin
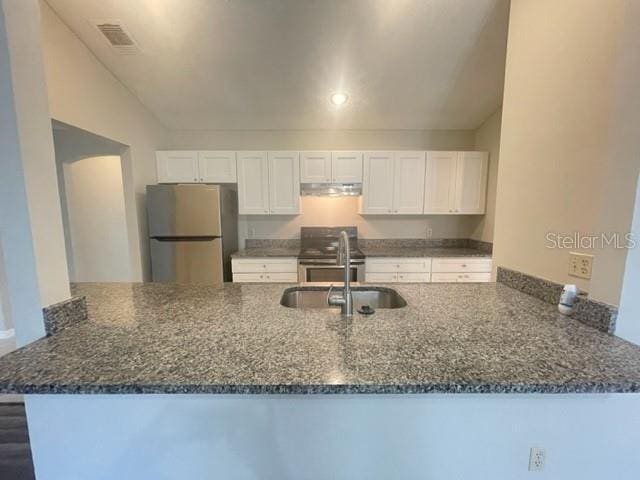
column 316, row 297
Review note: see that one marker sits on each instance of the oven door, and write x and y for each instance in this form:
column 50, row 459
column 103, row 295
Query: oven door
column 310, row 271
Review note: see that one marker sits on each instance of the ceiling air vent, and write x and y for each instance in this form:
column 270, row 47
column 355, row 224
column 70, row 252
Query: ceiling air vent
column 117, row 36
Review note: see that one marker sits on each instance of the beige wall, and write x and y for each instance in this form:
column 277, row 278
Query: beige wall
column 321, row 139
column 563, row 168
column 327, row 211
column 487, row 139
column 84, row 94
column 97, row 221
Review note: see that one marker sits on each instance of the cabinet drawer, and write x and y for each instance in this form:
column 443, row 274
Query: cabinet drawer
column 380, row 277
column 269, row 265
column 451, row 265
column 460, row 277
column 265, row 277
column 414, row 278
column 389, row 265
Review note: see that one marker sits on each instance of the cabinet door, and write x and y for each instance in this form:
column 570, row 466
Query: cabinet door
column 253, row 183
column 377, row 185
column 284, row 183
column 217, row 167
column 177, row 166
column 346, row 167
column 381, row 277
column 408, row 191
column 471, row 182
column 440, row 182
column 315, row 167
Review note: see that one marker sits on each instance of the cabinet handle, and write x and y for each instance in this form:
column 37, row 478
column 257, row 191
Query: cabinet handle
column 266, row 210
column 202, row 179
column 261, row 276
column 464, row 265
column 195, row 179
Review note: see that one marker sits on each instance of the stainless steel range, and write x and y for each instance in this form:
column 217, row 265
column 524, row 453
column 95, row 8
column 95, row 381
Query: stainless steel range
column 319, row 253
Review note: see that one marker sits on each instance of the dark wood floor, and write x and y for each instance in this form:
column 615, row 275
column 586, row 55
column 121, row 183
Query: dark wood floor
column 15, row 453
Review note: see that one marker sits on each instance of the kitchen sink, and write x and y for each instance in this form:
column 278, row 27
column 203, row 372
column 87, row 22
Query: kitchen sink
column 316, row 297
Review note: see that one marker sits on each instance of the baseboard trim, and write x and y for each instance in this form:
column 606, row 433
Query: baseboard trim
column 5, row 334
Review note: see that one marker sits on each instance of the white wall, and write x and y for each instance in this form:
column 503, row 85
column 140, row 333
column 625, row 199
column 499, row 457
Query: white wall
column 628, row 321
column 563, row 167
column 84, row 94
column 97, row 221
column 34, row 266
column 487, row 139
column 274, row 437
column 36, row 146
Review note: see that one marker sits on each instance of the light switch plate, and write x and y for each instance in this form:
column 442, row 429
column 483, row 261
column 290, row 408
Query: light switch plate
column 580, row 265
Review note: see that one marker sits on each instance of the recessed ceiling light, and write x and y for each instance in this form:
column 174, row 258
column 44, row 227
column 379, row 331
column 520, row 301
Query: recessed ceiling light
column 339, row 98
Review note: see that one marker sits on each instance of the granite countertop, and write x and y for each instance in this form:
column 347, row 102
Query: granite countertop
column 451, row 338
column 387, row 251
column 432, row 252
column 266, row 252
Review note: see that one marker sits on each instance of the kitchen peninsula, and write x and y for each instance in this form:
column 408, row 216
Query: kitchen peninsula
column 213, row 354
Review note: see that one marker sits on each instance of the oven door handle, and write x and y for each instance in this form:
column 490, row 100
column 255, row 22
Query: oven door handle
column 327, row 263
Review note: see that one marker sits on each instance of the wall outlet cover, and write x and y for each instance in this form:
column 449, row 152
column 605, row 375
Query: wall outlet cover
column 537, row 457
column 580, row 265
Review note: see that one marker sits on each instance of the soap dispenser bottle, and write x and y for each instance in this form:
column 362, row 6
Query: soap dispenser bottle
column 567, row 299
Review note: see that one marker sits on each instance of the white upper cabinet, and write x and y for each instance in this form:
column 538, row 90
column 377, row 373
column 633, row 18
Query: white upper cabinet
column 217, row 167
column 331, row 167
column 253, row 183
column 471, row 182
column 456, row 183
column 191, row 166
column 284, row 183
column 177, row 166
column 377, row 185
column 408, row 180
column 268, row 183
column 440, row 181
column 315, row 167
column 346, row 167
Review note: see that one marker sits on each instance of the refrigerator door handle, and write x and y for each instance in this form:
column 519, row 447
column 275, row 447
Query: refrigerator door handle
column 184, row 239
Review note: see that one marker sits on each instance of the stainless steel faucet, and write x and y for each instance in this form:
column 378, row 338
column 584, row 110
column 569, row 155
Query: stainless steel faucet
column 344, row 258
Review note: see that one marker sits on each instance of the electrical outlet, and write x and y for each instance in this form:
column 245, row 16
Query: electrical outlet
column 580, row 265
column 537, row 457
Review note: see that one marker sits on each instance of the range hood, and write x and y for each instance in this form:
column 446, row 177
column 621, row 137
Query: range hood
column 331, row 189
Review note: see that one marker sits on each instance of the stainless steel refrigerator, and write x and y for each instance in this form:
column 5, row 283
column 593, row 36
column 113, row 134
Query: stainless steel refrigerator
column 193, row 231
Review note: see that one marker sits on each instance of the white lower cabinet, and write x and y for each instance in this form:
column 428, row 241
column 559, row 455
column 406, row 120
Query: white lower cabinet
column 265, row 270
column 467, row 270
column 460, row 277
column 397, row 270
column 425, row 270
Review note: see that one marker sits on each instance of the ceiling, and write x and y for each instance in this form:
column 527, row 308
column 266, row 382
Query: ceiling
column 272, row 64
